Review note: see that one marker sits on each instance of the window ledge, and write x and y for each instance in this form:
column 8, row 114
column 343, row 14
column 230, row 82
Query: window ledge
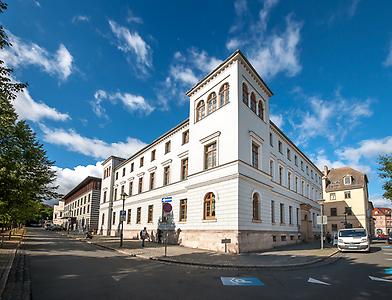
column 282, row 224
column 182, row 222
column 256, row 221
column 209, row 220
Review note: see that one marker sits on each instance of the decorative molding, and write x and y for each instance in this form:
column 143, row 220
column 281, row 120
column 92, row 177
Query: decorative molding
column 210, row 137
column 141, row 174
column 183, row 154
column 123, row 182
column 152, row 169
column 131, row 178
column 166, row 162
column 255, row 136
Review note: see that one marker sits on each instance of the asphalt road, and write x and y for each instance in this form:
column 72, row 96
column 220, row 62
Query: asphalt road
column 62, row 268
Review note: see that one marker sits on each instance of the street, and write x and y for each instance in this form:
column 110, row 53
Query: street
column 63, row 268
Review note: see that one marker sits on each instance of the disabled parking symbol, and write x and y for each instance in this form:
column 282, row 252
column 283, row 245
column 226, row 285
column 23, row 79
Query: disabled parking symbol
column 241, row 281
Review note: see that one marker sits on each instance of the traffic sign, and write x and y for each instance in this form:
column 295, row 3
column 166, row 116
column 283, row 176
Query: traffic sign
column 167, row 199
column 242, row 281
column 226, row 241
column 322, row 221
column 167, row 208
column 123, row 213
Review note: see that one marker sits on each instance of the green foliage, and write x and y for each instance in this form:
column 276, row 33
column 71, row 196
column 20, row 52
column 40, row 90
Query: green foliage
column 385, row 169
column 26, row 175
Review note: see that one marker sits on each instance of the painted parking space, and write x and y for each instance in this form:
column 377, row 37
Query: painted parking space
column 242, row 281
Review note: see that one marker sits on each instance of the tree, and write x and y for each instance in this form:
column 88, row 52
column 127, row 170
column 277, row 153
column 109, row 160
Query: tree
column 385, row 169
column 26, row 174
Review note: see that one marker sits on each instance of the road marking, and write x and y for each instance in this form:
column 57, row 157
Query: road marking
column 119, row 277
column 379, row 279
column 387, row 247
column 242, row 281
column 388, row 253
column 312, row 280
column 388, row 258
column 388, row 271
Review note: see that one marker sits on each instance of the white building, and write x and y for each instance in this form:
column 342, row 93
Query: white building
column 232, row 173
column 81, row 206
column 58, row 211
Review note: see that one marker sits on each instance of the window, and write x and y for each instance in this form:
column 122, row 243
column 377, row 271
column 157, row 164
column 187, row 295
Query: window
column 332, row 196
column 255, row 155
column 167, row 147
column 296, row 184
column 153, row 152
column 283, row 238
column 307, row 170
column 272, row 211
column 103, row 219
column 152, row 180
column 348, row 211
column 288, row 154
column 271, row 168
column 224, row 94
column 88, row 199
column 114, row 218
column 347, row 180
column 210, row 156
column 115, row 194
column 123, row 172
column 334, row 212
column 289, row 180
column 211, row 103
column 290, row 215
column 307, row 191
column 129, row 217
column 138, row 215
column 116, row 175
column 281, row 213
column 253, row 102
column 280, row 146
column 297, row 215
column 245, row 94
column 280, row 174
column 334, row 227
column 122, row 191
column 166, row 175
column 209, row 206
column 141, row 163
column 185, row 137
column 150, row 213
column 261, row 110
column 184, row 168
column 183, row 208
column 84, row 209
column 132, row 167
column 130, row 188
column 311, row 174
column 140, row 185
column 347, row 195
column 256, row 207
column 104, row 196
column 303, row 187
column 271, row 140
column 302, row 165
column 200, row 110
column 296, row 160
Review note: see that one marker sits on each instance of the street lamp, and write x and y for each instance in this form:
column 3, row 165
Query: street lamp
column 122, row 215
column 321, row 202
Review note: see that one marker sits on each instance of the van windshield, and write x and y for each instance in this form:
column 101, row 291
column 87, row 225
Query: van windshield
column 353, row 233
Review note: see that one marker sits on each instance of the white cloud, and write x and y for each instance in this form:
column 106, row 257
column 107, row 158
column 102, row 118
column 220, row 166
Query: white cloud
column 28, row 109
column 277, row 119
column 68, row 178
column 380, row 202
column 131, row 102
column 330, row 118
column 132, row 18
column 388, row 60
column 80, row 18
column 183, row 74
column 132, row 42
column 367, row 149
column 24, row 53
column 91, row 147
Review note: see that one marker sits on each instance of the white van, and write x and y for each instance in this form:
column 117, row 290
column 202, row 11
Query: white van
column 353, row 239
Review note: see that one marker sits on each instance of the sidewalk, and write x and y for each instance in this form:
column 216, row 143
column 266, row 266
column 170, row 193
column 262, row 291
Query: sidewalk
column 7, row 255
column 287, row 256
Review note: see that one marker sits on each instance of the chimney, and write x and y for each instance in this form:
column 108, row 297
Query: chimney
column 325, row 170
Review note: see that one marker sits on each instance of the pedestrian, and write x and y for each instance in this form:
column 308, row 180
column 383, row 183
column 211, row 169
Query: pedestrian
column 328, row 236
column 144, row 235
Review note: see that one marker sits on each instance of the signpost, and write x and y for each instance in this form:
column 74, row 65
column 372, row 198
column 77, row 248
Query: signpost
column 322, row 220
column 226, row 241
column 167, row 199
column 167, row 209
column 321, row 202
column 123, row 215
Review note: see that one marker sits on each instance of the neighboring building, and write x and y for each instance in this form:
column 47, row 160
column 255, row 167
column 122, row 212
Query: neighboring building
column 232, row 173
column 81, row 205
column 382, row 220
column 58, row 211
column 346, row 205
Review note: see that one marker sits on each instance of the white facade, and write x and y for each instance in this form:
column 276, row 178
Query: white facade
column 58, row 213
column 242, row 184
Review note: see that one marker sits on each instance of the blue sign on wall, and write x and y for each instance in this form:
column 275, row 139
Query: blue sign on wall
column 242, row 281
column 388, row 271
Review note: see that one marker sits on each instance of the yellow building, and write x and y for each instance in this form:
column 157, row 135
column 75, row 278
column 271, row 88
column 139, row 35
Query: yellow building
column 346, row 205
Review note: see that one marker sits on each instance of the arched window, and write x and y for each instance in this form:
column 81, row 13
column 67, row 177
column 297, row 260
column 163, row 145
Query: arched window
column 103, row 219
column 211, row 103
column 224, row 94
column 261, row 110
column 200, row 110
column 245, row 93
column 253, row 102
column 256, row 207
column 209, row 206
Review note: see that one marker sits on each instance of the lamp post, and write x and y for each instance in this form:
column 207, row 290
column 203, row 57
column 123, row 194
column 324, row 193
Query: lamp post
column 321, row 201
column 123, row 196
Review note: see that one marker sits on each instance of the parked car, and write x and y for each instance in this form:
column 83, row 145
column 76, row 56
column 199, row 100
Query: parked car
column 48, row 226
column 353, row 239
column 390, row 237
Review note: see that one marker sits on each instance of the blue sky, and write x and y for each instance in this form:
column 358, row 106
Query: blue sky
column 107, row 77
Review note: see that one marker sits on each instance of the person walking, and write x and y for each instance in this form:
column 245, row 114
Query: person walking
column 144, row 235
